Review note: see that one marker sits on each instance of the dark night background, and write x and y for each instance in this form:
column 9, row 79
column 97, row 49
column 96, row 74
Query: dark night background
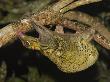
column 19, row 59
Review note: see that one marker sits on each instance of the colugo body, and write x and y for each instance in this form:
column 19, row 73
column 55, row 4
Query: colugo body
column 71, row 53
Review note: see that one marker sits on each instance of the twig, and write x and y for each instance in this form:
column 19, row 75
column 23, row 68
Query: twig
column 102, row 40
column 77, row 4
column 61, row 4
column 92, row 21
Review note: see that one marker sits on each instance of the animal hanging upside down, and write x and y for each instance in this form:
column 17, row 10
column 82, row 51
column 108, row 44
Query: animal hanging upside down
column 71, row 53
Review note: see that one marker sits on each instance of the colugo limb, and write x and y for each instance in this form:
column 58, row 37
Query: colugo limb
column 71, row 53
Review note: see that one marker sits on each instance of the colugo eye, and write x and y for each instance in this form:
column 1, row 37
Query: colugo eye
column 27, row 43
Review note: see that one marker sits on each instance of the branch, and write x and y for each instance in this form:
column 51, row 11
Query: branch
column 77, row 4
column 9, row 32
column 44, row 17
column 62, row 3
column 94, row 22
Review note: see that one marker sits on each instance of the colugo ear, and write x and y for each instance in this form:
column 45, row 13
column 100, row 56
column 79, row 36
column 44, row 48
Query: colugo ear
column 42, row 30
column 44, row 33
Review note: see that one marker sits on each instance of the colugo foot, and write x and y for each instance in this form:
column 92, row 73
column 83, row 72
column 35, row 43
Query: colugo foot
column 71, row 53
